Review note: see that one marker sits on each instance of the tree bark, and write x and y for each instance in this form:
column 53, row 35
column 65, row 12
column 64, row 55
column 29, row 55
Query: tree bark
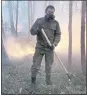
column 4, row 56
column 2, row 29
column 13, row 31
column 83, row 61
column 17, row 17
column 70, row 37
column 86, row 32
column 33, row 11
column 29, row 18
column 50, row 2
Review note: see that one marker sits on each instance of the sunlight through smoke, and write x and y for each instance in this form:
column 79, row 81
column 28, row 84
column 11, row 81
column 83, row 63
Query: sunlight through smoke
column 16, row 49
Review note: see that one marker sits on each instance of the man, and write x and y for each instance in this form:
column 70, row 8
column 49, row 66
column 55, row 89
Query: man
column 52, row 29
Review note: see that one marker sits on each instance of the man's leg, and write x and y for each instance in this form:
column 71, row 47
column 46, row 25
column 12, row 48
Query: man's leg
column 37, row 58
column 49, row 58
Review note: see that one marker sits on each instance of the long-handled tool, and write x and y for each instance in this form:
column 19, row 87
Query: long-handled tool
column 49, row 43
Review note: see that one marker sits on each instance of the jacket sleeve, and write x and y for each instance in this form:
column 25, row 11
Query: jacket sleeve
column 34, row 29
column 57, row 35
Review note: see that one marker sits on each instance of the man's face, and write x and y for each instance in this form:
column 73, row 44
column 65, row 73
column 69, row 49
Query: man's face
column 50, row 11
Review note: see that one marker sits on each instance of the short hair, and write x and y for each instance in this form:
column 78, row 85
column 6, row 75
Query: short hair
column 49, row 6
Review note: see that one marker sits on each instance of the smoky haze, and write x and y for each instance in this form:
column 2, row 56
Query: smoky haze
column 13, row 46
column 20, row 49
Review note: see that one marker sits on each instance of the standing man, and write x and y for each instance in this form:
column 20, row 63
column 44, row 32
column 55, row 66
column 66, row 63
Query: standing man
column 52, row 29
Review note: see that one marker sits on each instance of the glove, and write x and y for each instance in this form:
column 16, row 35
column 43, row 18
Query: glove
column 52, row 47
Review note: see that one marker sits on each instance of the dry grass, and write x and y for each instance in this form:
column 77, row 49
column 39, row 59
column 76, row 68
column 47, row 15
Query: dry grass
column 16, row 80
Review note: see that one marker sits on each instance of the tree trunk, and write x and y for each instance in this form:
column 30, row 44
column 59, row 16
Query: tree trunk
column 29, row 18
column 86, row 32
column 13, row 31
column 46, row 3
column 17, row 16
column 2, row 29
column 4, row 56
column 50, row 2
column 83, row 63
column 33, row 11
column 70, row 37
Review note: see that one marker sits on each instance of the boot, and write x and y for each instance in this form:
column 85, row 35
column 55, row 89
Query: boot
column 48, row 80
column 33, row 85
column 33, row 80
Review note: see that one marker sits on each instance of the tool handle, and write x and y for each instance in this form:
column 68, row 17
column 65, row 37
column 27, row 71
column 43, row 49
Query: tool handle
column 49, row 43
column 62, row 63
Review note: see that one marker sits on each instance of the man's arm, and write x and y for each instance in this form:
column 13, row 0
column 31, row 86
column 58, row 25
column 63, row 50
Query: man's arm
column 35, row 28
column 57, row 35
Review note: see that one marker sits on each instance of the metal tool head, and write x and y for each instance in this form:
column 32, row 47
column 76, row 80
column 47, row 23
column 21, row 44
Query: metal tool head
column 70, row 75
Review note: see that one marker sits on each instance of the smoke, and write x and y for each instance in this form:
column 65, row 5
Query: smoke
column 17, row 48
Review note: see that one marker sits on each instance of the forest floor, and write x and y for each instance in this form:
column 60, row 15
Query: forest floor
column 16, row 80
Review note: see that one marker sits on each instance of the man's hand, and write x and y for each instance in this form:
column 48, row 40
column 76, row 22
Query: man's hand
column 52, row 47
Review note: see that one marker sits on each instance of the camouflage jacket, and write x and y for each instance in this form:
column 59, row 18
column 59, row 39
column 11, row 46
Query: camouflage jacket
column 51, row 28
